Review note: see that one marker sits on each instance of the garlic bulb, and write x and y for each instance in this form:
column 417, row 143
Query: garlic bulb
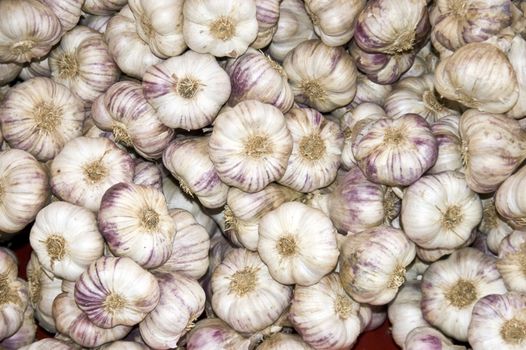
column 510, row 200
column 395, row 152
column 25, row 335
column 135, row 222
column 316, row 149
column 334, row 21
column 317, row 84
column 294, row 27
column 67, row 11
column 512, row 256
column 28, row 30
column 187, row 91
column 428, row 338
column 190, row 247
column 245, row 295
column 39, row 68
column 515, row 55
column 48, row 344
column 298, row 244
column 65, row 239
column 373, row 264
column 404, row 312
column 160, row 24
column 418, row 69
column 124, row 345
column 284, row 341
column 378, row 316
column 24, row 189
column 123, row 40
column 325, row 316
column 457, row 23
column 8, row 72
column 449, row 143
column 116, row 291
column 417, row 96
column 493, row 225
column 86, row 168
column 95, row 22
column 213, row 334
column 74, row 323
column 267, row 15
column 147, row 174
column 220, row 27
column 451, row 287
column 493, row 146
column 182, row 301
column 42, row 291
column 440, row 211
column 40, row 116
column 123, row 109
column 498, row 322
column 250, row 145
column 480, row 76
column 255, row 76
column 83, row 64
column 103, row 7
column 13, row 295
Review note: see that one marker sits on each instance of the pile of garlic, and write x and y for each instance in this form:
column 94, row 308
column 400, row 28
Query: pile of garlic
column 263, row 174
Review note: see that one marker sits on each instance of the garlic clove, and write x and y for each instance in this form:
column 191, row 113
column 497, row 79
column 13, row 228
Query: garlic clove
column 147, row 174
column 512, row 261
column 510, row 201
column 449, row 143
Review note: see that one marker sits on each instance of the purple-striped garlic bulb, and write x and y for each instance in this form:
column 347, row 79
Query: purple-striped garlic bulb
column 267, row 15
column 115, row 291
column 429, row 338
column 25, row 335
column 395, row 152
column 68, row 12
column 187, row 91
column 510, row 200
column 213, row 334
column 449, row 143
column 147, row 174
column 511, row 261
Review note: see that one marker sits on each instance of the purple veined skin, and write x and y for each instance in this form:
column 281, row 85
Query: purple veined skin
column 428, row 338
column 267, row 15
column 213, row 334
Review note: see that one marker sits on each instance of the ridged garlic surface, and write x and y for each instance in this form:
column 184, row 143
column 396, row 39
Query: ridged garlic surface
column 25, row 335
column 68, row 12
column 187, row 91
column 426, row 337
column 103, row 7
column 267, row 15
column 40, row 116
column 250, row 145
column 220, row 27
column 8, row 72
column 284, row 341
column 515, row 56
column 447, row 134
column 95, row 22
column 298, row 244
column 124, row 345
column 48, row 344
column 86, row 168
column 213, row 334
column 510, row 200
column 147, row 174
column 511, row 260
column 38, row 68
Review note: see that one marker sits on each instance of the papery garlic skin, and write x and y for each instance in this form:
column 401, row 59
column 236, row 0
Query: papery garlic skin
column 221, row 28
column 245, row 295
column 28, row 30
column 182, row 300
column 124, row 345
column 48, row 344
column 284, row 341
column 212, row 334
column 395, row 152
column 250, row 145
column 147, row 174
column 68, row 12
column 267, row 15
column 124, row 111
column 480, row 76
column 95, row 22
column 317, row 84
column 13, row 302
column 294, row 27
column 316, row 150
column 25, row 335
column 103, row 7
column 8, row 72
column 325, row 316
column 451, row 287
column 493, row 146
column 510, row 200
column 512, row 254
column 187, row 91
column 71, row 321
column 122, row 40
column 515, row 55
column 24, row 189
column 303, row 238
column 254, row 76
column 83, row 64
column 449, row 143
column 135, row 222
column 428, row 338
column 86, row 168
column 40, row 116
column 160, row 24
column 440, row 211
column 66, row 239
column 35, row 69
column 116, row 291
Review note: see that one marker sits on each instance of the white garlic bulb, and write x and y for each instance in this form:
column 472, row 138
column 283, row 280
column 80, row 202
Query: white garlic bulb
column 28, row 30
column 65, row 239
column 373, row 264
column 267, row 15
column 8, row 72
column 512, row 256
column 25, row 335
column 103, row 7
column 116, row 291
column 40, row 116
column 124, row 111
column 86, row 168
column 298, row 244
column 213, row 334
column 326, row 316
column 480, row 76
column 147, row 174
column 135, row 222
column 245, row 295
column 317, row 84
column 24, row 189
column 510, row 200
column 68, row 12
column 395, row 152
column 250, row 145
column 449, row 143
column 187, row 91
column 451, row 287
column 182, row 301
column 428, row 338
column 220, row 27
column 315, row 157
column 284, row 341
